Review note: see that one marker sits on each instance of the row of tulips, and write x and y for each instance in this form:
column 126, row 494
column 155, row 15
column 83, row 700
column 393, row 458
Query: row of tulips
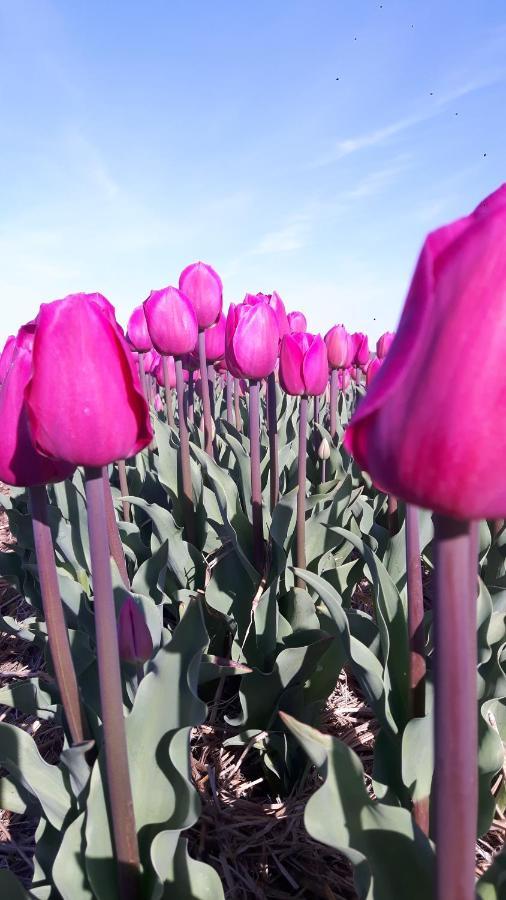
column 412, row 433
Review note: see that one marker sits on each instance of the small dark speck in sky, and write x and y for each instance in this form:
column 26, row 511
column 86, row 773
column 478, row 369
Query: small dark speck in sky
column 432, row 93
column 456, row 114
column 337, row 79
column 484, row 154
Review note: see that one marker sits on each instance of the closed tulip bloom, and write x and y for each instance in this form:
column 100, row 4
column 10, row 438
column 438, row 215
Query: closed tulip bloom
column 99, row 417
column 202, row 285
column 275, row 302
column 296, row 322
column 157, row 403
column 137, row 331
column 172, row 321
column 104, row 304
column 416, row 431
column 151, row 360
column 340, row 347
column 158, row 373
column 372, row 370
column 303, row 365
column 361, row 348
column 344, row 379
column 215, row 340
column 134, row 637
column 6, row 356
column 384, row 343
column 20, row 463
column 251, row 341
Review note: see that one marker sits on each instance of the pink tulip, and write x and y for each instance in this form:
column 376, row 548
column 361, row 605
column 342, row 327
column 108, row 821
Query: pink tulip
column 104, row 304
column 372, row 370
column 137, row 331
column 344, row 379
column 384, row 343
column 157, row 403
column 296, row 322
column 202, row 285
column 275, row 302
column 94, row 419
column 151, row 361
column 340, row 347
column 416, row 431
column 20, row 463
column 251, row 340
column 303, row 365
column 361, row 342
column 6, row 356
column 134, row 637
column 171, row 321
column 215, row 340
column 158, row 373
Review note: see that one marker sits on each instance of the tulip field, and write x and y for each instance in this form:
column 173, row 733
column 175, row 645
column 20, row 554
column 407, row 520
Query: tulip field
column 253, row 593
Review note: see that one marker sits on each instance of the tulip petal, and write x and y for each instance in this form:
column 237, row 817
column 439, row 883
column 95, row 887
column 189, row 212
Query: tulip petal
column 290, row 366
column 255, row 341
column 315, row 369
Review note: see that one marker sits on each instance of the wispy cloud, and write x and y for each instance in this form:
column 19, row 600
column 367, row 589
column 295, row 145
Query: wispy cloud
column 291, row 237
column 346, row 146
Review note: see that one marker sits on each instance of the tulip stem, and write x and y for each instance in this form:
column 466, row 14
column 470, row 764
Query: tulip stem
column 190, row 397
column 115, row 545
column 415, row 612
column 57, row 633
column 256, row 487
column 211, row 380
column 123, row 486
column 184, row 446
column 143, row 379
column 334, row 384
column 206, row 400
column 230, row 388
column 272, row 424
column 168, row 392
column 119, row 792
column 456, row 735
column 301, row 493
column 237, row 409
column 323, row 471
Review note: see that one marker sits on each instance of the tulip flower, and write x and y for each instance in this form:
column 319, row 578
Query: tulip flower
column 71, row 418
column 361, row 348
column 303, row 367
column 296, row 322
column 158, row 403
column 251, row 341
column 171, row 322
column 344, row 379
column 275, row 302
column 215, row 340
column 415, row 433
column 340, row 347
column 23, row 466
column 372, row 370
column 202, row 285
column 384, row 343
column 134, row 636
column 137, row 331
column 6, row 356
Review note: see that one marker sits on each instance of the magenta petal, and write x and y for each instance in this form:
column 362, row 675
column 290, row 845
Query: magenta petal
column 6, row 356
column 255, row 341
column 215, row 340
column 290, row 366
column 315, row 369
column 137, row 330
column 88, row 408
column 171, row 322
column 202, row 285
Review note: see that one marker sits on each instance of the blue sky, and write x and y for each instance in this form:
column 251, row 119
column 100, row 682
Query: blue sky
column 138, row 137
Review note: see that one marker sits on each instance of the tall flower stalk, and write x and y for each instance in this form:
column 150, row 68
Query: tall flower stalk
column 184, row 448
column 256, row 486
column 237, row 407
column 115, row 545
column 123, row 485
column 300, row 533
column 206, row 399
column 230, row 399
column 168, row 391
column 272, row 425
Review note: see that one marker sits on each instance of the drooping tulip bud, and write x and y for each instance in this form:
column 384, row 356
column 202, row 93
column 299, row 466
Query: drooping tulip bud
column 415, row 431
column 6, row 356
column 215, row 340
column 134, row 636
column 20, row 463
column 202, row 285
column 137, row 331
column 324, row 449
column 384, row 343
column 340, row 347
column 99, row 417
column 361, row 348
column 251, row 340
column 372, row 370
column 296, row 322
column 303, row 365
column 171, row 321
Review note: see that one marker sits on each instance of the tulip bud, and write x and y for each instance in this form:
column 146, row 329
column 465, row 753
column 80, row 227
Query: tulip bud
column 344, row 379
column 340, row 347
column 158, row 403
column 384, row 343
column 134, row 636
column 251, row 340
column 151, row 361
column 324, row 449
column 215, row 340
column 137, row 331
column 361, row 348
column 303, row 365
column 159, row 374
column 99, row 417
column 171, row 321
column 296, row 322
column 415, row 431
column 275, row 302
column 20, row 463
column 372, row 370
column 202, row 285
